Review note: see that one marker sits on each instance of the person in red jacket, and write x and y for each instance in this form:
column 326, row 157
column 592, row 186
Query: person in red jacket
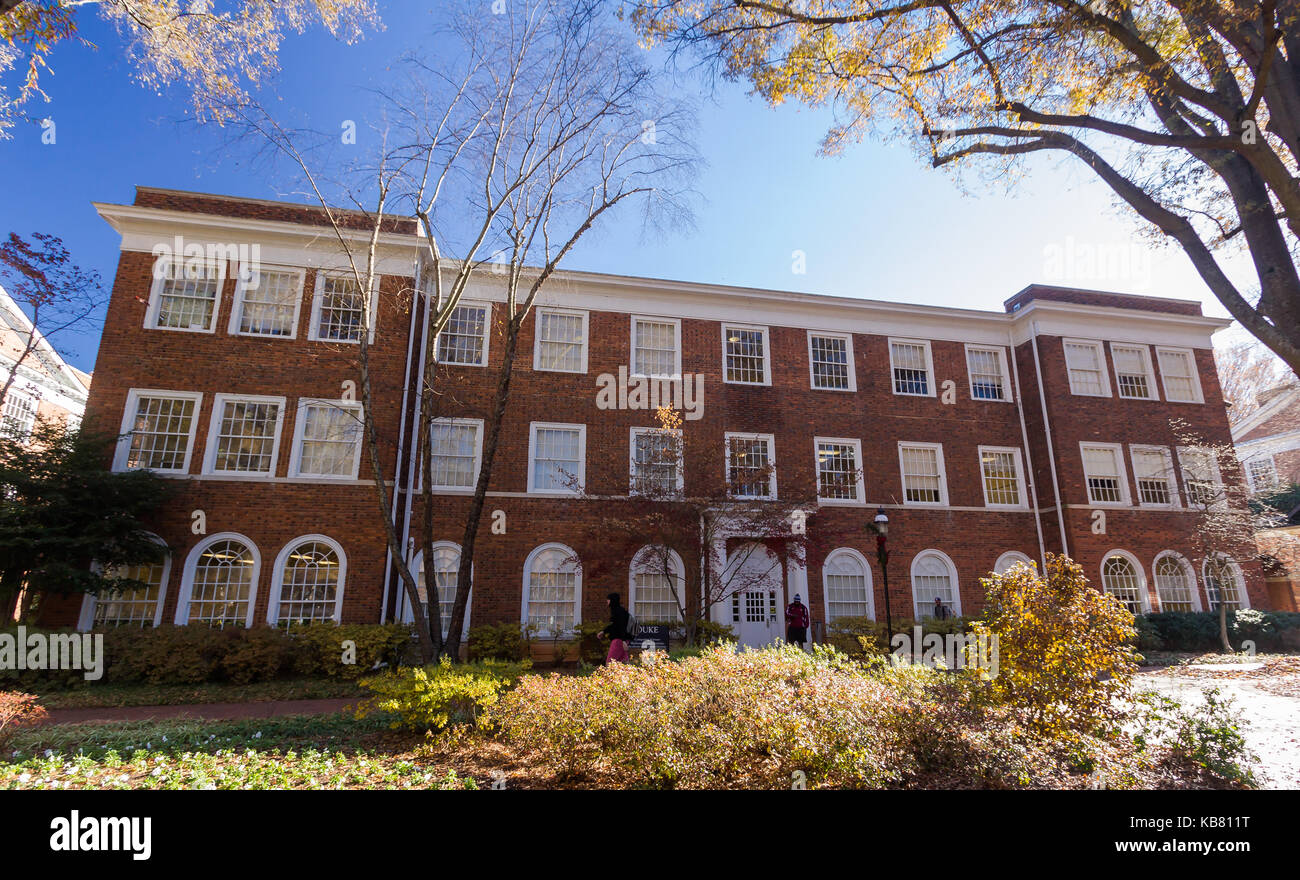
column 796, row 622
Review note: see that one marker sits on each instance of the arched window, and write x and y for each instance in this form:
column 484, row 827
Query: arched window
column 846, row 584
column 220, row 582
column 140, row 607
column 656, row 585
column 552, row 589
column 446, row 569
column 1175, row 585
column 1010, row 558
column 308, row 587
column 934, row 577
column 1223, row 583
column 1121, row 577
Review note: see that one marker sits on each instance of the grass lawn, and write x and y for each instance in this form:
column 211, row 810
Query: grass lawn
column 98, row 695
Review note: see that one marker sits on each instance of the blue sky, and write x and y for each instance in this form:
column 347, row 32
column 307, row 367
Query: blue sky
column 875, row 222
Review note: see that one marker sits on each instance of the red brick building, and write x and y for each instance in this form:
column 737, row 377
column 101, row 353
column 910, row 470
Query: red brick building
column 987, row 437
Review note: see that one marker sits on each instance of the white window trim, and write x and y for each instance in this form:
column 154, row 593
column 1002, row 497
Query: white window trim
column 939, row 463
column 1188, row 569
column 767, row 352
column 1237, row 572
column 237, row 308
column 537, row 338
column 677, row 346
column 192, row 563
column 1198, row 391
column 300, row 425
column 1221, row 500
column 633, row 433
column 1126, row 499
column 931, row 381
column 1171, row 477
column 1008, row 396
column 848, row 348
column 478, row 458
column 858, row 477
column 417, row 565
column 532, row 456
column 318, row 295
column 771, row 458
column 1021, row 488
column 86, row 619
column 163, row 263
column 219, row 402
column 1104, row 373
column 1148, row 371
column 679, row 575
column 952, row 571
column 128, row 424
column 871, row 590
column 487, row 334
column 277, row 576
column 1011, row 557
column 1250, row 475
column 1144, row 586
column 577, row 585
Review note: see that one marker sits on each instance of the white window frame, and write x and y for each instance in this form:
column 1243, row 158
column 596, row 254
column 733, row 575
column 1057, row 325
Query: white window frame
column 1237, row 573
column 1021, row 488
column 317, row 300
column 767, row 352
column 1143, row 585
column 1126, row 499
column 1102, row 372
column 1008, row 395
column 478, row 456
column 636, row 431
column 219, row 402
column 160, row 268
column 487, row 334
column 237, row 306
column 1250, row 474
column 1188, row 569
column 277, row 576
column 300, row 427
column 952, row 571
column 939, row 463
column 858, row 477
column 1171, row 478
column 871, row 590
column 1010, row 558
column 1197, row 391
column 86, row 619
column 186, row 591
column 128, row 423
column 577, row 584
column 771, row 459
column 1221, row 499
column 532, row 456
column 677, row 346
column 848, row 349
column 20, row 405
column 679, row 575
column 930, row 381
column 537, row 338
column 1148, row 371
column 417, row 568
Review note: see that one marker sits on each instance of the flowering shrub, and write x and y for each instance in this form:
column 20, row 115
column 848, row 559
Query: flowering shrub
column 433, row 697
column 16, row 710
column 1065, row 649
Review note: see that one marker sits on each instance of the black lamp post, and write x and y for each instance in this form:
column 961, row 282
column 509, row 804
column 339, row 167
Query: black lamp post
column 881, row 527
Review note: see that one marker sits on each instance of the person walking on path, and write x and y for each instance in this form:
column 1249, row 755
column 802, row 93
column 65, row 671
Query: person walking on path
column 616, row 632
column 796, row 622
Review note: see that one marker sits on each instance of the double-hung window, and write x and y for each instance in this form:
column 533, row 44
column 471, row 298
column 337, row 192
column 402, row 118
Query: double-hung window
column 1178, row 373
column 751, row 466
column 924, row 480
column 557, row 458
column 1133, row 375
column 158, row 431
column 1086, row 364
column 561, row 345
column 912, row 367
column 185, row 294
column 464, row 339
column 1153, row 471
column 1002, row 476
column 987, row 367
column 266, row 302
column 745, row 355
column 245, row 435
column 656, row 461
column 339, row 311
column 327, row 439
column 456, row 453
column 1103, row 472
column 656, row 347
column 830, row 361
column 839, row 471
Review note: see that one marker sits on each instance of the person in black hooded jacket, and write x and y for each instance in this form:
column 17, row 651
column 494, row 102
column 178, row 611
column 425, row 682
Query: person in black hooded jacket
column 616, row 632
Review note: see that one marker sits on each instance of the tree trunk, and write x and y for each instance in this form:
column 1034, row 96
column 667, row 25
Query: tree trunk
column 1223, row 627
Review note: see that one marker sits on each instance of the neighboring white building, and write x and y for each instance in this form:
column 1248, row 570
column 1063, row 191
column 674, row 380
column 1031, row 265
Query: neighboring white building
column 45, row 385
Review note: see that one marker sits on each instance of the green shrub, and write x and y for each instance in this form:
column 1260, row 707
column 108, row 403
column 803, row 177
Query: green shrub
column 40, row 679
column 434, row 697
column 319, row 650
column 1208, row 735
column 592, row 649
column 502, row 641
column 1199, row 630
column 1148, row 635
column 169, row 654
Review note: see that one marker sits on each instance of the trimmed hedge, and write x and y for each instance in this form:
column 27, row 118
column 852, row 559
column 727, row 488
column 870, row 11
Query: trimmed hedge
column 1199, row 630
column 196, row 655
column 846, row 634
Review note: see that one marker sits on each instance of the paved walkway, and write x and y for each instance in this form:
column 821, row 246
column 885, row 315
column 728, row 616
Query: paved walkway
column 201, row 711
